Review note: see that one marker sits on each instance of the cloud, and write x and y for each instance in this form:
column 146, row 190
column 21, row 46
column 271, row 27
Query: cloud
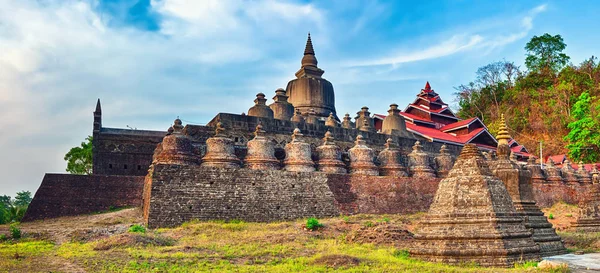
column 451, row 46
column 485, row 39
column 57, row 57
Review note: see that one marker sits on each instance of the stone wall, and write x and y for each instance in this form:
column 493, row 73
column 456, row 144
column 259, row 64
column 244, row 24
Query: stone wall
column 182, row 193
column 123, row 151
column 547, row 194
column 68, row 194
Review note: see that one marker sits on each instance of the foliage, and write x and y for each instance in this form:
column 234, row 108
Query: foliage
column 15, row 231
column 544, row 54
column 137, row 229
column 584, row 137
column 539, row 104
column 551, row 216
column 79, row 159
column 313, row 224
column 13, row 210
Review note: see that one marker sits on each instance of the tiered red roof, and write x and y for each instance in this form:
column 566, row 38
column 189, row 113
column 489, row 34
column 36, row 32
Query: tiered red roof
column 428, row 116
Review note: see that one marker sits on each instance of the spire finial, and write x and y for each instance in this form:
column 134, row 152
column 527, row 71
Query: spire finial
column 177, row 125
column 98, row 107
column 503, row 135
column 309, row 50
column 427, row 86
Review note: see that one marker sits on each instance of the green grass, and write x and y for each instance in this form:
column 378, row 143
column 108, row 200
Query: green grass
column 234, row 246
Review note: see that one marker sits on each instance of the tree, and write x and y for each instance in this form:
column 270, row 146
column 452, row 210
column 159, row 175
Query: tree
column 544, row 54
column 584, row 137
column 23, row 198
column 79, row 159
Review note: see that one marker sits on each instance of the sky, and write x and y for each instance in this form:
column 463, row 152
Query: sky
column 150, row 61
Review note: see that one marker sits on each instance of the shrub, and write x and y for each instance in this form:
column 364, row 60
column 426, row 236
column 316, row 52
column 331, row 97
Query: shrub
column 3, row 237
column 368, row 224
column 569, row 215
column 401, row 253
column 137, row 229
column 313, row 224
column 551, row 216
column 346, row 219
column 15, row 231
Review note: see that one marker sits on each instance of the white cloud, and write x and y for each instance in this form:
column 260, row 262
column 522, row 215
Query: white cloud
column 57, row 57
column 485, row 39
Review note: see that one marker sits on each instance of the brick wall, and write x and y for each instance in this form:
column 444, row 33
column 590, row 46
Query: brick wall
column 68, row 194
column 181, row 193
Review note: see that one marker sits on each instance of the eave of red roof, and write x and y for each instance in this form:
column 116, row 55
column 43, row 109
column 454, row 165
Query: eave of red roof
column 459, row 124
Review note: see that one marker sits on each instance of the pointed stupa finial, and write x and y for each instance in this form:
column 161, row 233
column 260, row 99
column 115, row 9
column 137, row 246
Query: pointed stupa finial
column 503, row 136
column 259, row 130
column 98, row 107
column 427, row 86
column 177, row 126
column 219, row 131
column 309, row 47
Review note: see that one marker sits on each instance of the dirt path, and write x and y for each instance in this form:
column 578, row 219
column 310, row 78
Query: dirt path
column 81, row 228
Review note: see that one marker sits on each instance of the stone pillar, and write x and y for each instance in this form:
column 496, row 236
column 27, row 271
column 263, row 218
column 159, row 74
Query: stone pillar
column 366, row 127
column 553, row 174
column 331, row 122
column 282, row 109
column 391, row 160
column 583, row 175
column 297, row 118
column 220, row 151
column 588, row 219
column 537, row 175
column 312, row 117
column 444, row 162
column 330, row 156
column 472, row 219
column 261, row 152
column 298, row 156
column 260, row 108
column 568, row 173
column 361, row 158
column 518, row 184
column 595, row 174
column 394, row 124
column 418, row 162
column 176, row 148
column 347, row 123
column 361, row 116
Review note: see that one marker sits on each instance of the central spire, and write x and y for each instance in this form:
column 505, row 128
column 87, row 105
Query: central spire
column 308, row 50
column 309, row 58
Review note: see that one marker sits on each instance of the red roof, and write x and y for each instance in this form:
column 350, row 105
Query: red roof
column 436, row 134
column 427, row 87
column 457, row 124
column 415, row 117
column 557, row 159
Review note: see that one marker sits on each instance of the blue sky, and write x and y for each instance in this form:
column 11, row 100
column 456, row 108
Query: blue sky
column 150, row 61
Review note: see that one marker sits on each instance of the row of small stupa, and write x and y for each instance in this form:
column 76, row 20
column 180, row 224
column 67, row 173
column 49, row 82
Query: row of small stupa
column 566, row 174
column 484, row 212
column 220, row 152
column 283, row 110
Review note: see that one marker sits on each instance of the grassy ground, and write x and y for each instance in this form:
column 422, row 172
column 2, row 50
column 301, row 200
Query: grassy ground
column 99, row 243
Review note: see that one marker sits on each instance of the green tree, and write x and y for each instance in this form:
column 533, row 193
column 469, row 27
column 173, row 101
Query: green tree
column 23, row 198
column 584, row 137
column 545, row 54
column 79, row 159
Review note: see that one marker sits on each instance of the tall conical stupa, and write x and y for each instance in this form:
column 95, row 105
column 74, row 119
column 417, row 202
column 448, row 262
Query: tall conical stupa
column 309, row 90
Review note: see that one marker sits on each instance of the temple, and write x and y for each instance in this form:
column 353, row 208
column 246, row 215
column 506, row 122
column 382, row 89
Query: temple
column 310, row 91
column 430, row 117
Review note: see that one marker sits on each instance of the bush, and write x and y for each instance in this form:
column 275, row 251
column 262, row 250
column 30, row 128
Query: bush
column 313, row 224
column 15, row 231
column 368, row 224
column 137, row 229
column 3, row 237
column 569, row 215
column 401, row 253
column 551, row 216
